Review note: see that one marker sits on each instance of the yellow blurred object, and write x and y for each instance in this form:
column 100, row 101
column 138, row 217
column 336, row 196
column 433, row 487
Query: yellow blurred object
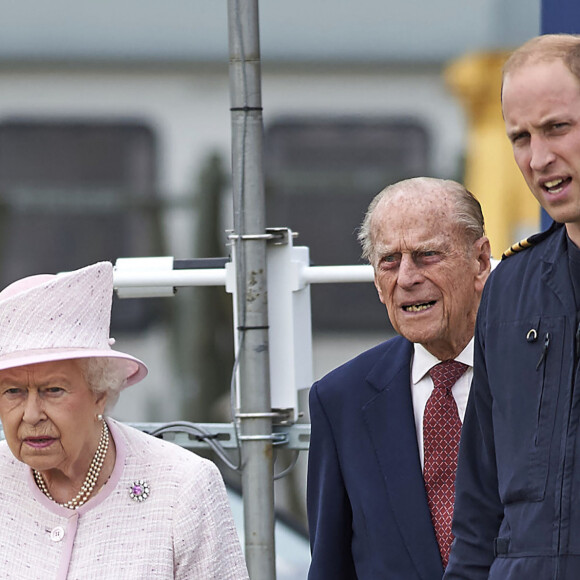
column 511, row 212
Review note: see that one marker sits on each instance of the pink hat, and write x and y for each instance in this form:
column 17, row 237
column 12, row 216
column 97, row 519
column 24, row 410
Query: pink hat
column 56, row 317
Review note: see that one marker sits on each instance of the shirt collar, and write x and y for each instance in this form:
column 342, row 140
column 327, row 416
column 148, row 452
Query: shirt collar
column 423, row 360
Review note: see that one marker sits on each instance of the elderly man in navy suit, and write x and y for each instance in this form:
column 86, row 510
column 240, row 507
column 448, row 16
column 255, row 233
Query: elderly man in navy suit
column 385, row 425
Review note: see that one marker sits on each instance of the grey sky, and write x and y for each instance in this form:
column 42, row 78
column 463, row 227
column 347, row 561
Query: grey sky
column 297, row 30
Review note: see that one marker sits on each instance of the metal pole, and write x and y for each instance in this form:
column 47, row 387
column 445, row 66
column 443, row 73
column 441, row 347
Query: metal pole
column 251, row 288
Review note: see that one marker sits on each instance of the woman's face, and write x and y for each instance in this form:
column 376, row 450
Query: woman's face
column 49, row 416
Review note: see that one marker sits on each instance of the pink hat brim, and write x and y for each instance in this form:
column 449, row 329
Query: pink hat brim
column 136, row 369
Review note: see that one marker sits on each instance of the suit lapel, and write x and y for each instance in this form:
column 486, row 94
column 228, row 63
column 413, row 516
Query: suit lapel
column 391, row 425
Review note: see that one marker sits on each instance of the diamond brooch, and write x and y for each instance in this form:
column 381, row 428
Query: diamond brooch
column 139, row 491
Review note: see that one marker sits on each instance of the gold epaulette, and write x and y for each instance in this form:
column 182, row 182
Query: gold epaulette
column 531, row 241
column 522, row 245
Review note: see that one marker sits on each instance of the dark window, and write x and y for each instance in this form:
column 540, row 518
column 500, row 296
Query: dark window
column 321, row 174
column 76, row 192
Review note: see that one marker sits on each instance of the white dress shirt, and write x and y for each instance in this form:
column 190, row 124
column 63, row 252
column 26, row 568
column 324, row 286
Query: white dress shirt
column 422, row 385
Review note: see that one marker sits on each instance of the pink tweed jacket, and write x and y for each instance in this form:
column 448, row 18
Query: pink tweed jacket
column 182, row 530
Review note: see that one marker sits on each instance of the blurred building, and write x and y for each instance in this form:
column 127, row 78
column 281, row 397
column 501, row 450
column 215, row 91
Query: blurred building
column 115, row 142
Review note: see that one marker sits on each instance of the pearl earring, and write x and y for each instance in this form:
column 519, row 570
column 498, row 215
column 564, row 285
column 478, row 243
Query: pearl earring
column 99, row 417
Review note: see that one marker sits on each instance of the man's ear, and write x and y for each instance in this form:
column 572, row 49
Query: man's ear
column 482, row 250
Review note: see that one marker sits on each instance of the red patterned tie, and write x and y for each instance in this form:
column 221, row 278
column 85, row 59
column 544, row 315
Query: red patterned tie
column 441, row 431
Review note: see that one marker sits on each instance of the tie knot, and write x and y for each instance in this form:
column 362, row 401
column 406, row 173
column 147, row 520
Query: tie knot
column 446, row 373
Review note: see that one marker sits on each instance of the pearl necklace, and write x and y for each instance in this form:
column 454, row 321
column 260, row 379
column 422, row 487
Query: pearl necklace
column 90, row 480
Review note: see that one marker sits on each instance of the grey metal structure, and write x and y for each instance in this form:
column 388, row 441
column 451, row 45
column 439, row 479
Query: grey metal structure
column 249, row 245
column 262, row 424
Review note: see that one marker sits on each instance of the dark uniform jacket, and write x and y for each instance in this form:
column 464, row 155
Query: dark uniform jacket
column 517, row 510
column 367, row 506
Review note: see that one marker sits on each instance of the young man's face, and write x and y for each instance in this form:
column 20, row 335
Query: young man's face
column 541, row 108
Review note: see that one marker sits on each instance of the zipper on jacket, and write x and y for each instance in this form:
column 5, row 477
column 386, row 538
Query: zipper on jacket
column 543, row 356
column 547, row 345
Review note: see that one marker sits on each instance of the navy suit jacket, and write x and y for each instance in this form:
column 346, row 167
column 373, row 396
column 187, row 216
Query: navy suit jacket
column 367, row 507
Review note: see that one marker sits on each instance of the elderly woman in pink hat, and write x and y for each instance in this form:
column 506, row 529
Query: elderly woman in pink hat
column 81, row 495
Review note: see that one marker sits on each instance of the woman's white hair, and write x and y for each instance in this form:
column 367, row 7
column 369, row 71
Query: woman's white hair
column 104, row 376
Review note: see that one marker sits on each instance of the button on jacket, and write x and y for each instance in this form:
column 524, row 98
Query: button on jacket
column 517, row 510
